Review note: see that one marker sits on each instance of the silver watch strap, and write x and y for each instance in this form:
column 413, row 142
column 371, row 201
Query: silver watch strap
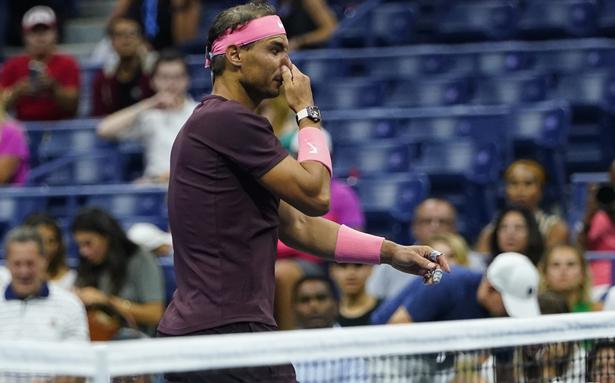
column 303, row 113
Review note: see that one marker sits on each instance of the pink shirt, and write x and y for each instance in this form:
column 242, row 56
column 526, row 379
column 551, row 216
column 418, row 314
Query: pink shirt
column 601, row 237
column 601, row 234
column 345, row 209
column 13, row 143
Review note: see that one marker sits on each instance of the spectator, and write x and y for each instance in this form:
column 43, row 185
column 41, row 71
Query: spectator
column 509, row 288
column 58, row 271
column 14, row 151
column 41, row 84
column 30, row 308
column 355, row 304
column 453, row 246
column 525, row 182
column 151, row 238
column 309, row 23
column 432, row 216
column 156, row 120
column 516, row 230
column 315, row 303
column 165, row 23
column 601, row 362
column 114, row 271
column 554, row 362
column 125, row 79
column 565, row 272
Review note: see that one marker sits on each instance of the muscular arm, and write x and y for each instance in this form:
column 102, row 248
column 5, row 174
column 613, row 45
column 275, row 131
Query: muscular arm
column 318, row 236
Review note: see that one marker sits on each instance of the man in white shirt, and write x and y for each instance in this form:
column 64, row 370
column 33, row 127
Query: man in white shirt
column 156, row 120
column 30, row 308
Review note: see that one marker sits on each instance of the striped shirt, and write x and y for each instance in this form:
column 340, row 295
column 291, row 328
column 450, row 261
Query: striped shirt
column 55, row 315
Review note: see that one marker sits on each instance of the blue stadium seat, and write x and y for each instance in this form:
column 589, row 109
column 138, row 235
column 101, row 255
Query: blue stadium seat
column 544, row 19
column 590, row 89
column 512, row 89
column 360, row 130
column 96, row 167
column 389, row 201
column 129, row 201
column 392, row 24
column 490, row 126
column 349, row 93
column 503, row 62
column 430, row 92
column 464, row 173
column 540, row 132
column 477, row 20
column 372, row 158
column 571, row 60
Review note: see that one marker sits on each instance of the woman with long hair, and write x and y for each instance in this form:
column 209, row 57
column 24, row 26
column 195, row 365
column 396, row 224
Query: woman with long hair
column 516, row 230
column 58, row 270
column 113, row 270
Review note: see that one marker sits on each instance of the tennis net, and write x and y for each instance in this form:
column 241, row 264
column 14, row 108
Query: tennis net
column 553, row 348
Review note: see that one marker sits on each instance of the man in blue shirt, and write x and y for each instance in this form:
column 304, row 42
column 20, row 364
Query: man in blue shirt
column 509, row 288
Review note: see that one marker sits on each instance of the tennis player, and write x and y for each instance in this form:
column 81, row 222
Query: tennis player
column 234, row 191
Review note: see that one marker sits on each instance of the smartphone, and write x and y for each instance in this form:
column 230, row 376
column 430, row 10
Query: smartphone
column 35, row 72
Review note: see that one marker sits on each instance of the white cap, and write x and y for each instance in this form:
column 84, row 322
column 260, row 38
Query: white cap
column 39, row 15
column 515, row 277
column 149, row 236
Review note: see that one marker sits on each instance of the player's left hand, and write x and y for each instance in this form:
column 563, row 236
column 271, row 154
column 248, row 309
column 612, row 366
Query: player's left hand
column 417, row 260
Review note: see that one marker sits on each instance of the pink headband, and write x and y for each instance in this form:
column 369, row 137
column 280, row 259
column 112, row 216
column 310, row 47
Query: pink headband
column 250, row 32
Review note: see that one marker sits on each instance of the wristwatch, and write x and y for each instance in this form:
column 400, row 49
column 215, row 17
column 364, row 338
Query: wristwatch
column 311, row 112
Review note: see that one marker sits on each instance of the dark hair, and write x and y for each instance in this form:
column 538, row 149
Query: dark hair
column 116, row 20
column 23, row 234
column 57, row 260
column 593, row 354
column 319, row 278
column 168, row 56
column 535, row 242
column 232, row 18
column 120, row 248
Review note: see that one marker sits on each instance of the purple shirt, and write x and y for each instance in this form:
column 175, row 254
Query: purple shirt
column 224, row 222
column 13, row 143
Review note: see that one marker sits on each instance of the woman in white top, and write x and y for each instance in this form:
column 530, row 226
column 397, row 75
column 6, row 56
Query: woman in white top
column 58, row 271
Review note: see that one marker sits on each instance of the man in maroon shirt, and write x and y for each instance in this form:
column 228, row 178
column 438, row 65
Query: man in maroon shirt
column 234, row 191
column 42, row 84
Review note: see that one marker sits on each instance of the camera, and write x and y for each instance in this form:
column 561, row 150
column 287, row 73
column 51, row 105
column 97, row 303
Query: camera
column 605, row 195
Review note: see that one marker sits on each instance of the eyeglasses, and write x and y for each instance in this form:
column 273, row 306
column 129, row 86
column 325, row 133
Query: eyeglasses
column 434, row 220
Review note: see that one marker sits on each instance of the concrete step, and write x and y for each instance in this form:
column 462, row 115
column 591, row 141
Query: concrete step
column 96, row 8
column 84, row 30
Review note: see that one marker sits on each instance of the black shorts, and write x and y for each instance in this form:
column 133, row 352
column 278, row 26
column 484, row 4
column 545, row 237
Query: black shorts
column 272, row 374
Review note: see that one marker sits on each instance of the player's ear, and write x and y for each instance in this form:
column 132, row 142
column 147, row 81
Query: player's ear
column 232, row 55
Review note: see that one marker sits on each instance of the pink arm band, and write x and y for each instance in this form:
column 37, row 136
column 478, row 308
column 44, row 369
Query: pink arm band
column 352, row 246
column 313, row 147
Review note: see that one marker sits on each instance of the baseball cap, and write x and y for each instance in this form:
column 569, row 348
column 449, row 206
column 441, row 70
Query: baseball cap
column 515, row 277
column 149, row 236
column 39, row 15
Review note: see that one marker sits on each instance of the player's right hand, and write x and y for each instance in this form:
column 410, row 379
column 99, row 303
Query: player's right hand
column 297, row 88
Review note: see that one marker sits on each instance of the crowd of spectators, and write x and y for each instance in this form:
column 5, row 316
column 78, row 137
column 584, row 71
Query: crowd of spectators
column 141, row 92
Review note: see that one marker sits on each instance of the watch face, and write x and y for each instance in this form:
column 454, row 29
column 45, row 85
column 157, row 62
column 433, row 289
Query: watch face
column 313, row 113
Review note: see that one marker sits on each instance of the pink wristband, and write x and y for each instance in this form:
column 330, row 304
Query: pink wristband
column 313, row 147
column 352, row 246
